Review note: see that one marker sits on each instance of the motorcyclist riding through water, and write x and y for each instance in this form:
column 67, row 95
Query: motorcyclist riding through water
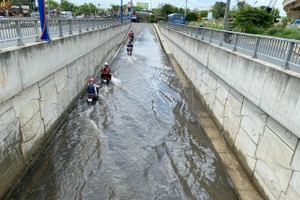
column 105, row 74
column 131, row 35
column 129, row 48
column 92, row 90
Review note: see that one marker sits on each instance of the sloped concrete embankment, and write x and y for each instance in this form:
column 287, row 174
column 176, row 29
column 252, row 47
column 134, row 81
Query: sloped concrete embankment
column 39, row 83
column 255, row 105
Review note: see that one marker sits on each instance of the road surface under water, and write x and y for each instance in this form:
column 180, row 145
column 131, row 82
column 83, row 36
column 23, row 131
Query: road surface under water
column 141, row 141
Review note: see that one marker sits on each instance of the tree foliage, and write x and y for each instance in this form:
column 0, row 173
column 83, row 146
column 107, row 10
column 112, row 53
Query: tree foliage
column 66, row 5
column 218, row 9
column 191, row 16
column 249, row 17
column 53, row 5
column 203, row 13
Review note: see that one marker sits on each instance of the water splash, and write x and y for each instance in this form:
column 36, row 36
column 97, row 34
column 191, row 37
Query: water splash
column 115, row 81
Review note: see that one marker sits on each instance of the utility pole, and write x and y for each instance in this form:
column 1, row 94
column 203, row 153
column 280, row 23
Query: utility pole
column 185, row 7
column 224, row 27
column 121, row 10
column 131, row 11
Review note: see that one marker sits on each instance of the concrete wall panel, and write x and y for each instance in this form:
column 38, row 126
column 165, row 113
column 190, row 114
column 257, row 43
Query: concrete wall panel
column 10, row 136
column 291, row 194
column 33, row 136
column 26, row 103
column 222, row 91
column 61, row 79
column 218, row 113
column 246, row 148
column 274, row 159
column 281, row 101
column 296, row 159
column 267, row 180
column 48, row 102
column 72, row 81
column 232, row 118
column 211, row 91
column 288, row 137
column 253, row 120
column 10, row 79
column 295, row 183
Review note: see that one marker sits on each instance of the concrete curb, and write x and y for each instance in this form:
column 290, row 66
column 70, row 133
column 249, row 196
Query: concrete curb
column 242, row 184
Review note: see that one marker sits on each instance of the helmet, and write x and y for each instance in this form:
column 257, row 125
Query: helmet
column 106, row 63
column 91, row 80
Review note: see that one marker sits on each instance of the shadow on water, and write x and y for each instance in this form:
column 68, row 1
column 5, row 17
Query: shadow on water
column 140, row 141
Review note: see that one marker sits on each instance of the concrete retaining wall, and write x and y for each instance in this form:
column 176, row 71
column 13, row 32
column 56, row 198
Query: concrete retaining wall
column 37, row 85
column 257, row 106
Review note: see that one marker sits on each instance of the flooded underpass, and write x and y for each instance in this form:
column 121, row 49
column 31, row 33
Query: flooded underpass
column 140, row 141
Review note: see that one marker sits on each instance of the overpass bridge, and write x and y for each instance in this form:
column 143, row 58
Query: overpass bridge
column 169, row 127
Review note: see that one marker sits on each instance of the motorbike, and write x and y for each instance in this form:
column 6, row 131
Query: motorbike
column 129, row 51
column 105, row 79
column 92, row 99
column 228, row 38
column 130, row 38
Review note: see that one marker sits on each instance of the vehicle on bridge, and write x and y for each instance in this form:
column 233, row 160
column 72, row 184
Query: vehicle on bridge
column 176, row 18
column 66, row 15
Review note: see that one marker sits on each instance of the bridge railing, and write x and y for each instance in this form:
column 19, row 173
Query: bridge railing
column 278, row 51
column 18, row 29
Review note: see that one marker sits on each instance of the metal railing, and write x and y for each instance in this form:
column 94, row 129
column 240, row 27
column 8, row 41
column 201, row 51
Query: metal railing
column 18, row 29
column 278, row 51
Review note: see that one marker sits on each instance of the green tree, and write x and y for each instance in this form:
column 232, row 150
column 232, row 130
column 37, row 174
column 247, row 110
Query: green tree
column 218, row 9
column 191, row 16
column 167, row 9
column 66, row 5
column 241, row 4
column 203, row 13
column 248, row 19
column 115, row 7
column 53, row 4
column 138, row 8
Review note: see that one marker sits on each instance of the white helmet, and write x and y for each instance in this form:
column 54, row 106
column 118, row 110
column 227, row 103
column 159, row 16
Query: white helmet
column 106, row 63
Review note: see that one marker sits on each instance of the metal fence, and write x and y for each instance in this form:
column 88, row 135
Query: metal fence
column 18, row 29
column 278, row 51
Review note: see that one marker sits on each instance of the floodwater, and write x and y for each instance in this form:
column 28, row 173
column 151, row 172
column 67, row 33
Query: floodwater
column 140, row 141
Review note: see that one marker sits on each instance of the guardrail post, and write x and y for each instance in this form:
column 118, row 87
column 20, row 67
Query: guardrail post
column 19, row 33
column 36, row 27
column 87, row 27
column 210, row 36
column 197, row 31
column 70, row 27
column 254, row 55
column 79, row 27
column 221, row 38
column 93, row 25
column 288, row 55
column 60, row 28
column 235, row 42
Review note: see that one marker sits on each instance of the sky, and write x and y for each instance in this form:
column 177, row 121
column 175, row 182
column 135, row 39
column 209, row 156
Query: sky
column 191, row 4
